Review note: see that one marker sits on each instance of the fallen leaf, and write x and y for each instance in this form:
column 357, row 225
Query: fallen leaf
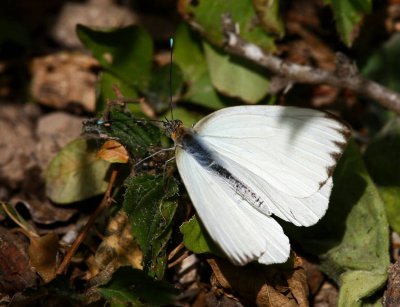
column 44, row 212
column 96, row 14
column 391, row 298
column 327, row 296
column 315, row 278
column 298, row 283
column 263, row 285
column 42, row 253
column 64, row 80
column 113, row 152
column 54, row 131
column 76, row 173
column 16, row 271
column 17, row 145
column 118, row 246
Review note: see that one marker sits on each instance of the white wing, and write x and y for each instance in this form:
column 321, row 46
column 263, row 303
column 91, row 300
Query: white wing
column 285, row 154
column 241, row 231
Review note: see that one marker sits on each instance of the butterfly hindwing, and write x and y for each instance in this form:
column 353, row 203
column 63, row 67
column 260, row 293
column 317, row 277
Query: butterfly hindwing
column 242, row 232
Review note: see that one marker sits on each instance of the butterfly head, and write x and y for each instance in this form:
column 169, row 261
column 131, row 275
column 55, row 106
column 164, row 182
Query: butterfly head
column 172, row 128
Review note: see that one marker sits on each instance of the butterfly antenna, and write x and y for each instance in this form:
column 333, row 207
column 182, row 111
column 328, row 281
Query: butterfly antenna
column 171, row 44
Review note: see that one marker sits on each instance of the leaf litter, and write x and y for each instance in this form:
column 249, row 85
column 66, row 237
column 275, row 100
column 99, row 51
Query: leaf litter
column 134, row 237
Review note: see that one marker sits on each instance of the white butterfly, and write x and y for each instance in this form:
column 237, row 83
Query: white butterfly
column 244, row 165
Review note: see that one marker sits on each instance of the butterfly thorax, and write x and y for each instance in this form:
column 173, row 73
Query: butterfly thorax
column 175, row 130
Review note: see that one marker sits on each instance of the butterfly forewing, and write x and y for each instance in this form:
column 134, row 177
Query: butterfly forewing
column 293, row 149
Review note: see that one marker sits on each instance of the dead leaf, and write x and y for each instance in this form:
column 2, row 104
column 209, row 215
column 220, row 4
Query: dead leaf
column 391, row 297
column 327, row 296
column 113, row 152
column 65, row 80
column 222, row 301
column 298, row 285
column 44, row 212
column 16, row 271
column 269, row 296
column 315, row 277
column 55, row 130
column 118, row 247
column 262, row 285
column 42, row 253
column 101, row 14
column 17, row 145
column 18, row 219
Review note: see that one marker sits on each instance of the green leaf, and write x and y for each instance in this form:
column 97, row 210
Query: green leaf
column 76, row 173
column 197, row 239
column 150, row 212
column 349, row 15
column 104, row 92
column 206, row 14
column 382, row 66
column 136, row 134
column 188, row 54
column 382, row 160
column 126, row 52
column 134, row 286
column 366, row 284
column 268, row 12
column 163, row 85
column 236, row 77
column 352, row 239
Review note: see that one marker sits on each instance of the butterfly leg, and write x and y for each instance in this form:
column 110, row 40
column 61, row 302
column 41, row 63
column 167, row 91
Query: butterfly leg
column 165, row 167
column 153, row 154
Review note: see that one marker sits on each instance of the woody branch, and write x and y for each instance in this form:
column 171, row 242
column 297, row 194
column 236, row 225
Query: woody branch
column 345, row 75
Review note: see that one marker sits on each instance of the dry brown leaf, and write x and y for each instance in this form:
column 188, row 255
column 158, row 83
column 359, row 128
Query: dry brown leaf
column 327, row 296
column 118, row 247
column 44, row 212
column 65, row 80
column 262, row 285
column 93, row 13
column 16, row 271
column 392, row 294
column 54, row 131
column 17, row 145
column 113, row 152
column 315, row 277
column 298, row 283
column 42, row 252
column 269, row 296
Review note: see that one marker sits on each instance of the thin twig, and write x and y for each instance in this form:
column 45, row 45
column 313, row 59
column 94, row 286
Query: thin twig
column 345, row 75
column 179, row 260
column 175, row 251
column 83, row 234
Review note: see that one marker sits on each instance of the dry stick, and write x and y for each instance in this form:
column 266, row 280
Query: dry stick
column 180, row 259
column 175, row 251
column 345, row 75
column 83, row 234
